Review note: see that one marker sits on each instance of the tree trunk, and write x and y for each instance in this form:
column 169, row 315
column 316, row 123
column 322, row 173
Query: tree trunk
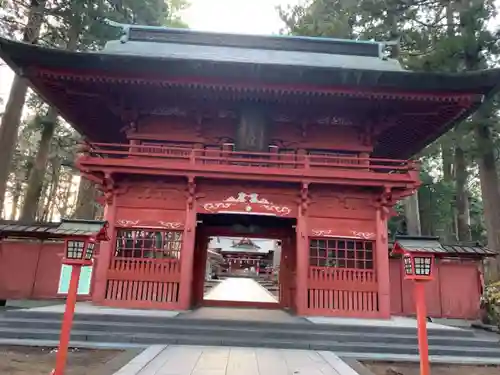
column 51, row 199
column 489, row 191
column 484, row 140
column 37, row 175
column 41, row 203
column 412, row 215
column 35, row 181
column 85, row 207
column 445, row 228
column 463, row 229
column 16, row 195
column 63, row 211
column 12, row 116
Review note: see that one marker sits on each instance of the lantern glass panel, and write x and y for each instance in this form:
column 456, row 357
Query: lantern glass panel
column 408, row 265
column 423, row 265
column 75, row 249
column 90, row 250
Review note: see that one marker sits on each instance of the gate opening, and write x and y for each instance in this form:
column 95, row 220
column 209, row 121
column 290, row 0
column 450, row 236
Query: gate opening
column 244, row 261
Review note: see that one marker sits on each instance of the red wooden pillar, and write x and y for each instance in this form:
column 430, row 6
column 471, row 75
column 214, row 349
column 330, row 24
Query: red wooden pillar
column 302, row 248
column 187, row 252
column 199, row 268
column 105, row 251
column 382, row 264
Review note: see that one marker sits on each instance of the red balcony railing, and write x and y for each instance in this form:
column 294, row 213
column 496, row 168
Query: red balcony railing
column 197, row 157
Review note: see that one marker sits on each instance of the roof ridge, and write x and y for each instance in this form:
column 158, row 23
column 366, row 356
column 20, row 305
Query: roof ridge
column 161, row 34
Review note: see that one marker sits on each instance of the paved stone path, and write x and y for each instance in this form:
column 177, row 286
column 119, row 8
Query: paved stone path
column 201, row 360
column 240, row 289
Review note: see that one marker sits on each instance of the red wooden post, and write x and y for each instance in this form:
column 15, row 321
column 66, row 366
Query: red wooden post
column 423, row 345
column 302, row 249
column 187, row 252
column 105, row 250
column 133, row 146
column 69, row 312
column 382, row 264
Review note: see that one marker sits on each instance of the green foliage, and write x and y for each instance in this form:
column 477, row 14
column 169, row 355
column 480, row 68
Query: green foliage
column 436, row 202
column 435, row 35
column 491, row 303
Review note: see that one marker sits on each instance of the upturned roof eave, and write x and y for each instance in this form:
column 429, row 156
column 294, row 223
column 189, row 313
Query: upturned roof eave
column 22, row 56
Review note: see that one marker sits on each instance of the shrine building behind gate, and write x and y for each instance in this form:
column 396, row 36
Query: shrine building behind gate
column 193, row 135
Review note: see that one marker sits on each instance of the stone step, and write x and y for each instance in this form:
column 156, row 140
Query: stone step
column 300, row 333
column 241, row 341
column 184, row 320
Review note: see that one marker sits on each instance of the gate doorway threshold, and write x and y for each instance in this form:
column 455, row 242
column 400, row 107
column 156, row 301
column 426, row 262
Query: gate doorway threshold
column 242, row 314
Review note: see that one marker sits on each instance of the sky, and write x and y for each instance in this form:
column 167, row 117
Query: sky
column 235, row 16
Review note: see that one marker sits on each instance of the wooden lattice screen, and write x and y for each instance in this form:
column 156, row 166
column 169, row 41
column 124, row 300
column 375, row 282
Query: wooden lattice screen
column 145, row 268
column 342, row 279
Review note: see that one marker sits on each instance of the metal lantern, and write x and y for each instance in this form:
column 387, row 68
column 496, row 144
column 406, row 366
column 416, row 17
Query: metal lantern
column 423, row 265
column 418, row 265
column 418, row 261
column 79, row 250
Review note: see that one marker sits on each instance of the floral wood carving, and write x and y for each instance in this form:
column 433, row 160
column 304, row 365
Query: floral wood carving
column 333, row 233
column 250, row 201
column 363, row 235
column 127, row 223
column 153, row 224
column 170, row 225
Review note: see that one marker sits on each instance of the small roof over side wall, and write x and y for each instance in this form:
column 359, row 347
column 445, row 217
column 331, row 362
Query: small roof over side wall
column 419, row 244
column 49, row 231
column 432, row 245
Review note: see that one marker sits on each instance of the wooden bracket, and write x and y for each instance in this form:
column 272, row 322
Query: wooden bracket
column 385, row 202
column 304, row 198
column 191, row 192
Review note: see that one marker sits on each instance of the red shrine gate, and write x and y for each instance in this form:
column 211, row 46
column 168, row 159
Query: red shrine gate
column 334, row 273
column 181, row 133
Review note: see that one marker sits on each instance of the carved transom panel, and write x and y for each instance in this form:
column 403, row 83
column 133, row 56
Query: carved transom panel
column 246, row 203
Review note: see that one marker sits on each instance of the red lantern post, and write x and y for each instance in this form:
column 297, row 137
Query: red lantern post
column 79, row 252
column 418, row 266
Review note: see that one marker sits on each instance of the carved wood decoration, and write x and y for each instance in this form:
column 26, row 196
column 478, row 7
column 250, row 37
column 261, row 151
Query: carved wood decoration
column 342, row 228
column 253, row 130
column 142, row 223
column 339, row 234
column 246, row 203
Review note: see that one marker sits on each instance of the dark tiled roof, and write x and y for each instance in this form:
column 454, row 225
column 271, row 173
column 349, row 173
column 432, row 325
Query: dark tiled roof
column 469, row 249
column 434, row 246
column 421, row 244
column 50, row 230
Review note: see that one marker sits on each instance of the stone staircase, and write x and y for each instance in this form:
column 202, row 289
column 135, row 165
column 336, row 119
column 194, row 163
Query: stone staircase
column 209, row 285
column 272, row 287
column 347, row 340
